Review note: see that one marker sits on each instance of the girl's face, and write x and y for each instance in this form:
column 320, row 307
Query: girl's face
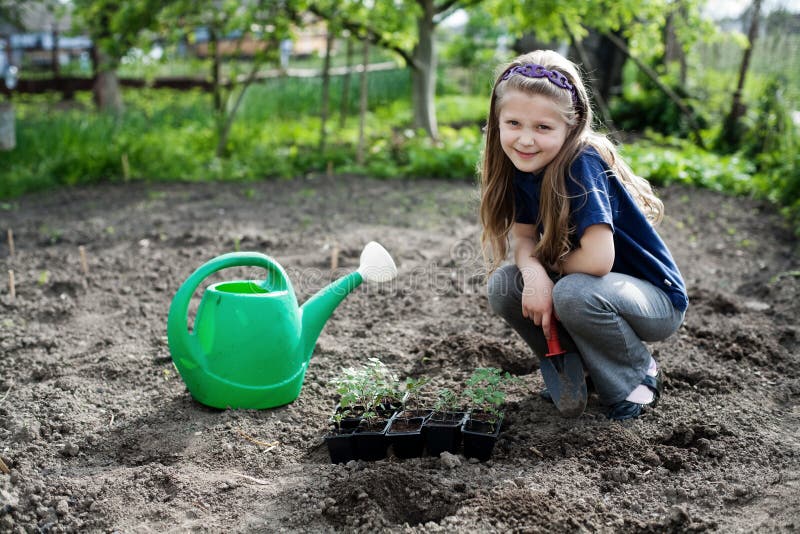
column 531, row 130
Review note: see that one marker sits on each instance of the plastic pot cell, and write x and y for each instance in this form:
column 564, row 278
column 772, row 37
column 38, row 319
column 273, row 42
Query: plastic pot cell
column 405, row 433
column 442, row 432
column 341, row 445
column 480, row 435
column 370, row 440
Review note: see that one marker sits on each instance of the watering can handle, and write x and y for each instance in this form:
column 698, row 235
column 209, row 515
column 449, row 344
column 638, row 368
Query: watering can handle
column 180, row 341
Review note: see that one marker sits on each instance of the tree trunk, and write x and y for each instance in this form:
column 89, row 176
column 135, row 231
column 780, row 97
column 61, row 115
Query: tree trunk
column 326, row 90
column 213, row 50
column 732, row 130
column 362, row 111
column 107, row 96
column 605, row 61
column 227, row 121
column 673, row 49
column 423, row 72
column 589, row 66
column 8, row 136
column 344, row 108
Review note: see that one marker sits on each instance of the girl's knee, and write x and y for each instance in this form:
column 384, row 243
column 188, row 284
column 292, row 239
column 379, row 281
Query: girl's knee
column 500, row 287
column 571, row 295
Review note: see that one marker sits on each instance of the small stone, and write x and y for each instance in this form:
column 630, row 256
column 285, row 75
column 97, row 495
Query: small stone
column 328, row 504
column 6, row 522
column 618, row 474
column 28, row 432
column 8, row 499
column 70, row 449
column 362, row 495
column 62, row 508
column 678, row 515
column 449, row 460
column 756, row 305
column 703, row 445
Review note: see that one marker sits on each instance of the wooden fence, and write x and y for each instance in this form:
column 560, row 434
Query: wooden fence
column 71, row 84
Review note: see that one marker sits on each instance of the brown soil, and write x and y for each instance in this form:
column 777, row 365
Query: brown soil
column 100, row 434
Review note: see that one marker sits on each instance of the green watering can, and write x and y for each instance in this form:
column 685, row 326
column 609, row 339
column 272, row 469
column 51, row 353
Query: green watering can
column 251, row 341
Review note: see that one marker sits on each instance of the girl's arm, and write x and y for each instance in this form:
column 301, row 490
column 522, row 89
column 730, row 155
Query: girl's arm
column 537, row 293
column 595, row 256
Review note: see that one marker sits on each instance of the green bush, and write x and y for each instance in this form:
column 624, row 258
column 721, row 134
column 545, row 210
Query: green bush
column 643, row 106
column 665, row 160
column 769, row 175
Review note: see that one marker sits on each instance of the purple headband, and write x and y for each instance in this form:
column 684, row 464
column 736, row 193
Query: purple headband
column 532, row 70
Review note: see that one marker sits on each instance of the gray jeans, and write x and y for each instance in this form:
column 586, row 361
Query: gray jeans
column 606, row 319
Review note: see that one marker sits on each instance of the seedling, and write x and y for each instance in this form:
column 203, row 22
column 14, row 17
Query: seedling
column 370, row 388
column 486, row 390
column 446, row 401
column 339, row 416
column 412, row 388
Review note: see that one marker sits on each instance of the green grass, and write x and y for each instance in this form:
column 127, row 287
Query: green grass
column 170, row 135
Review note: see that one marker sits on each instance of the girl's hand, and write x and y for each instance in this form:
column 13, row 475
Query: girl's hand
column 537, row 292
column 537, row 303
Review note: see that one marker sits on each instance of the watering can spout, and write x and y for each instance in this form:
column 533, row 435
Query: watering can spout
column 376, row 265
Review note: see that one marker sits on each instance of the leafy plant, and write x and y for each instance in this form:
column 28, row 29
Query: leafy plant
column 411, row 390
column 339, row 416
column 486, row 389
column 446, row 401
column 369, row 388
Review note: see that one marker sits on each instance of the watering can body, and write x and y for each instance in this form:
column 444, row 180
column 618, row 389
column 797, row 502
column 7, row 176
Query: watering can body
column 251, row 343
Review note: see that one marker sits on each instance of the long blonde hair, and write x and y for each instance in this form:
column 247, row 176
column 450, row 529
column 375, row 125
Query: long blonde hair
column 497, row 171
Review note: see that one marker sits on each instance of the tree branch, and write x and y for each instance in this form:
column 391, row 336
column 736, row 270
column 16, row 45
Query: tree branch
column 619, row 43
column 601, row 102
column 450, row 4
column 368, row 33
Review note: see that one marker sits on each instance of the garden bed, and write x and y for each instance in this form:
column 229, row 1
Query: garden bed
column 100, row 434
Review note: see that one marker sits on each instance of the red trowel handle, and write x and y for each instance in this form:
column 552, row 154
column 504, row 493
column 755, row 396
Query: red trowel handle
column 553, row 343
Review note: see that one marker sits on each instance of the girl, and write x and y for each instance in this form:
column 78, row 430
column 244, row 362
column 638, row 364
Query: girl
column 585, row 250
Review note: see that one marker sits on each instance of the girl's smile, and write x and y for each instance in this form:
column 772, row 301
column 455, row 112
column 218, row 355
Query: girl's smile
column 532, row 130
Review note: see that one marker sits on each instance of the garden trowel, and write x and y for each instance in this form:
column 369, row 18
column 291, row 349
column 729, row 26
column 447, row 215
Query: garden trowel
column 563, row 375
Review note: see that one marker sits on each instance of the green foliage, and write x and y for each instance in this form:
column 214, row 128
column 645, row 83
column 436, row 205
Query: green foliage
column 486, row 389
column 772, row 139
column 775, row 55
column 643, row 106
column 772, row 175
column 115, row 26
column 411, row 389
column 447, row 401
column 470, row 55
column 665, row 160
column 284, row 98
column 367, row 387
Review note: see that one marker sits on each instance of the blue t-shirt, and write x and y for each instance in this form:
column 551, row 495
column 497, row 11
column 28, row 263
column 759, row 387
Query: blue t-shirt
column 600, row 198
